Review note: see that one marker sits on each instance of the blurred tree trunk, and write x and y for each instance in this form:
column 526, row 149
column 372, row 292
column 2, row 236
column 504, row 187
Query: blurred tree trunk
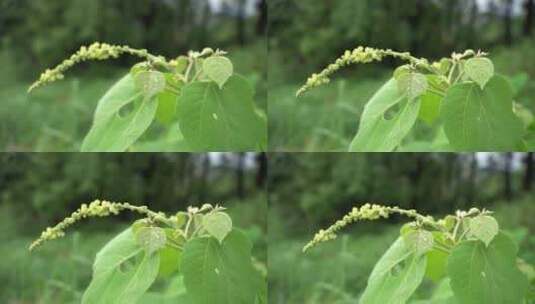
column 508, row 22
column 474, row 12
column 261, row 174
column 528, row 174
column 415, row 20
column 205, row 173
column 240, row 183
column 205, row 21
column 507, row 176
column 240, row 22
column 262, row 21
column 529, row 7
column 472, row 179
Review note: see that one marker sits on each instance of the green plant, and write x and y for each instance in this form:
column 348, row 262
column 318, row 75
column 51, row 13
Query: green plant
column 469, row 258
column 469, row 107
column 198, row 253
column 198, row 97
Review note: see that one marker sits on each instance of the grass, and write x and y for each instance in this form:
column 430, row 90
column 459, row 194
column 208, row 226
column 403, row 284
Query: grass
column 336, row 272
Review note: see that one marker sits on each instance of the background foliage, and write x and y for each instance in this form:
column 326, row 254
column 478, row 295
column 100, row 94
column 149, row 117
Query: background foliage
column 310, row 191
column 39, row 34
column 38, row 190
column 305, row 36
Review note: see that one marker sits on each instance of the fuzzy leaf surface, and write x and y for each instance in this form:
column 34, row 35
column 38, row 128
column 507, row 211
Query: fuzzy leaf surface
column 487, row 274
column 122, row 272
column 113, row 131
column 218, row 68
column 220, row 272
column 484, row 228
column 377, row 134
column 396, row 276
column 481, row 120
column 479, row 70
column 217, row 224
column 214, row 119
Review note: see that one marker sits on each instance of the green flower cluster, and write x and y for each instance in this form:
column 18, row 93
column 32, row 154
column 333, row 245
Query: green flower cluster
column 96, row 208
column 358, row 55
column 96, row 51
column 366, row 212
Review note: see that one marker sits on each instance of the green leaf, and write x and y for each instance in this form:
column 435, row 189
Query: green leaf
column 481, row 274
column 412, row 85
column 114, row 130
column 217, row 224
column 436, row 265
column 220, row 272
column 481, row 120
column 122, row 272
column 430, row 108
column 419, row 241
column 218, row 68
column 166, row 111
column 484, row 228
column 479, row 70
column 395, row 277
column 213, row 119
column 149, row 83
column 151, row 238
column 377, row 134
column 169, row 261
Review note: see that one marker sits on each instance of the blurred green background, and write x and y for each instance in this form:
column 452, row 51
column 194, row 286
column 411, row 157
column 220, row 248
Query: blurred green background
column 36, row 34
column 39, row 189
column 305, row 36
column 310, row 191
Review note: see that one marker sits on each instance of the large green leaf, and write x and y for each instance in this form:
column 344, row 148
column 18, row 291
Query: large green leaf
column 221, row 119
column 481, row 274
column 481, row 120
column 395, row 277
column 377, row 134
column 121, row 117
column 122, row 272
column 220, row 272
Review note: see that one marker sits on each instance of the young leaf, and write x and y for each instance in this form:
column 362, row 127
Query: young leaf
column 217, row 224
column 481, row 120
column 218, row 69
column 151, row 238
column 213, row 119
column 395, row 277
column 419, row 241
column 484, row 228
column 481, row 274
column 149, row 83
column 377, row 134
column 122, row 272
column 412, row 85
column 220, row 273
column 115, row 132
column 479, row 70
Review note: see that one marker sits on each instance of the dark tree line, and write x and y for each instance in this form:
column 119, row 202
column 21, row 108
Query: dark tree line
column 49, row 185
column 322, row 186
